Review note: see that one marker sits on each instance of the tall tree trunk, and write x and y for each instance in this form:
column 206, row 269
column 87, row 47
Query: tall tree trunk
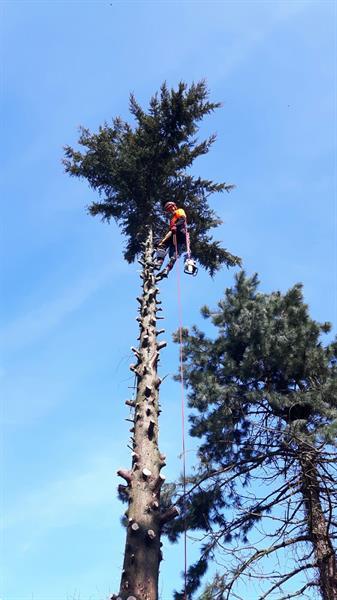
column 142, row 556
column 318, row 523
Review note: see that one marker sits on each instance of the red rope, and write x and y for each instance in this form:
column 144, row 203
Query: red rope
column 182, row 410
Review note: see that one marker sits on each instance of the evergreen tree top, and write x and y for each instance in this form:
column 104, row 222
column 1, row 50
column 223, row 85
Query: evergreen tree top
column 137, row 169
column 268, row 353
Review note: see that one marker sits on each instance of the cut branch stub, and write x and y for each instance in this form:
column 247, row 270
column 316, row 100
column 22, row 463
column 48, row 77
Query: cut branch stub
column 134, row 527
column 151, row 534
column 169, row 514
column 146, row 473
column 130, row 403
column 161, row 345
column 158, row 482
column 125, row 474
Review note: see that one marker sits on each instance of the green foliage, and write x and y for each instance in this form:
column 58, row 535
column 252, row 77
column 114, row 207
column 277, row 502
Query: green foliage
column 262, row 390
column 137, row 169
column 268, row 351
column 194, row 575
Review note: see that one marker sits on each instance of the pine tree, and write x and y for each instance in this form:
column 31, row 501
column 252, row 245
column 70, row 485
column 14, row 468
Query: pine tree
column 136, row 169
column 264, row 394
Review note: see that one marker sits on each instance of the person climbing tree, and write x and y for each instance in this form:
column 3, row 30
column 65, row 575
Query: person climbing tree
column 174, row 241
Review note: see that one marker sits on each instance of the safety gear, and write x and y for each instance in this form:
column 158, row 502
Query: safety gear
column 178, row 219
column 168, row 205
column 190, row 268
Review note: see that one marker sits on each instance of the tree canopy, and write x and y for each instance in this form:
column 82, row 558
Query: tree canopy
column 264, row 400
column 137, row 168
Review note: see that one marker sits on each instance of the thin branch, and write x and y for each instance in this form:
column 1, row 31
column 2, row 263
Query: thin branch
column 287, row 577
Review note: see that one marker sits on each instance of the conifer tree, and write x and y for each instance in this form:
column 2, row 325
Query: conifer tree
column 136, row 168
column 264, row 394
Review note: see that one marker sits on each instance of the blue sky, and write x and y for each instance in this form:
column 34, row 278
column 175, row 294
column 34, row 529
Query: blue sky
column 68, row 300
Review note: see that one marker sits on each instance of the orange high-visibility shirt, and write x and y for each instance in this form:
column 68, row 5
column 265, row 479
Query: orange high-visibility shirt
column 178, row 214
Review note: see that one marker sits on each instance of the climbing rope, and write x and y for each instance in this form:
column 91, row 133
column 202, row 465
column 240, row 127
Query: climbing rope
column 182, row 402
column 188, row 246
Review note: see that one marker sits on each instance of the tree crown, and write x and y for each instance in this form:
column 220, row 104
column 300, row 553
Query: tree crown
column 136, row 170
column 268, row 352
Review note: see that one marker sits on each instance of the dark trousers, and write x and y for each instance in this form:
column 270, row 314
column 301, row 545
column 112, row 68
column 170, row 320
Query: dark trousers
column 174, row 246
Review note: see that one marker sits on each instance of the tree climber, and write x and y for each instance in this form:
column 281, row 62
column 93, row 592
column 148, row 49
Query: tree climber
column 174, row 241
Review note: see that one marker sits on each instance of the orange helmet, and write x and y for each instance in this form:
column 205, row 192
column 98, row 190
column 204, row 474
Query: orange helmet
column 169, row 205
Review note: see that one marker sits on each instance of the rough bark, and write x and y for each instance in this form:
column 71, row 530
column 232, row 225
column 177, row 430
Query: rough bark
column 318, row 524
column 142, row 556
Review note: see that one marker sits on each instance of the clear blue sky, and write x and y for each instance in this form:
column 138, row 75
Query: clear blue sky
column 68, row 300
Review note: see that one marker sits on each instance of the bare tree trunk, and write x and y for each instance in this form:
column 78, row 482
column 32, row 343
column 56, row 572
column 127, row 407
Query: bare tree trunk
column 318, row 523
column 142, row 556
